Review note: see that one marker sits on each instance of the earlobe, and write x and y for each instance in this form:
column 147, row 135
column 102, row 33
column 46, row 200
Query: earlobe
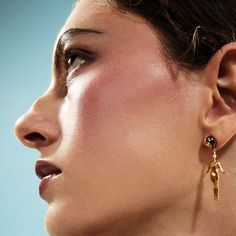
column 218, row 116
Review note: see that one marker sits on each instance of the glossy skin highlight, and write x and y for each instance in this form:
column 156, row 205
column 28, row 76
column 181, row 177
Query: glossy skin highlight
column 121, row 133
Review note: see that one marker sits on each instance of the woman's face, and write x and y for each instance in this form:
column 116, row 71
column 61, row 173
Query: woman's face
column 125, row 134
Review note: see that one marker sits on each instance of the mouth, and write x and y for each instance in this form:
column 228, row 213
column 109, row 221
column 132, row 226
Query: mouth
column 45, row 169
column 48, row 173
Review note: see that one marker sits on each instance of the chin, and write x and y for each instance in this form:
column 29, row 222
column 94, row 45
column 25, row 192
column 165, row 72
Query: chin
column 65, row 220
column 60, row 222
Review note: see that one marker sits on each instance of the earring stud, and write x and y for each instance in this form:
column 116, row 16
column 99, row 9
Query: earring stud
column 210, row 142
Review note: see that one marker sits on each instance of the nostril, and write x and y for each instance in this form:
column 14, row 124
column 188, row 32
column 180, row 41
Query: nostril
column 35, row 137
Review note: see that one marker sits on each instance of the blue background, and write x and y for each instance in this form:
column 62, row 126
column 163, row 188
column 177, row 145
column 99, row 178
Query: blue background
column 28, row 29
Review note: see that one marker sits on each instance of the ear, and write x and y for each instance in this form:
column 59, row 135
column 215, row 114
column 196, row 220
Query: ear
column 218, row 117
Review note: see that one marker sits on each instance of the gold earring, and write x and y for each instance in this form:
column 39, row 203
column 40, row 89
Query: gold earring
column 214, row 165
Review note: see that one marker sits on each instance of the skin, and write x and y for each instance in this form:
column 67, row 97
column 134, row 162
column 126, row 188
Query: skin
column 128, row 135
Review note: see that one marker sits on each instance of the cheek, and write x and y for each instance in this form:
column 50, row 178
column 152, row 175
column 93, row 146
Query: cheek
column 108, row 105
column 128, row 111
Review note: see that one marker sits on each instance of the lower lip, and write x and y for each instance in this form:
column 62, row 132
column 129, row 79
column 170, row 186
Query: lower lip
column 44, row 183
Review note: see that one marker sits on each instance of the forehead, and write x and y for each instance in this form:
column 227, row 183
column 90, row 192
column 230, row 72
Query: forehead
column 88, row 12
column 100, row 15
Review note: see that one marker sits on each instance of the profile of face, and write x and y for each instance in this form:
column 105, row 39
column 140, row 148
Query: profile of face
column 119, row 120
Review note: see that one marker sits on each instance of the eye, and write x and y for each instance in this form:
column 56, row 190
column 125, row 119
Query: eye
column 75, row 58
column 73, row 62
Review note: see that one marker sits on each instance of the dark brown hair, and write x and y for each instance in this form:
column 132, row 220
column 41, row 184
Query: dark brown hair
column 192, row 30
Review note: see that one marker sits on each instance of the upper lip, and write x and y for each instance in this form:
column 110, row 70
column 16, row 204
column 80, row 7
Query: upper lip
column 45, row 168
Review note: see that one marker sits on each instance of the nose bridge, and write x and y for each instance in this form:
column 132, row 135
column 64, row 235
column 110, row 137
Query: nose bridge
column 44, row 103
column 39, row 126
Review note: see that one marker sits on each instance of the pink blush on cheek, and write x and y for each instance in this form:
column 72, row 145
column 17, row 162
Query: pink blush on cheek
column 104, row 92
column 114, row 106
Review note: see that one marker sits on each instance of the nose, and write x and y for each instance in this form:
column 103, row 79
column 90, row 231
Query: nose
column 39, row 126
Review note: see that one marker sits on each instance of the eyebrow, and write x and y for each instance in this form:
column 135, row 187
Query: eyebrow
column 73, row 32
column 68, row 35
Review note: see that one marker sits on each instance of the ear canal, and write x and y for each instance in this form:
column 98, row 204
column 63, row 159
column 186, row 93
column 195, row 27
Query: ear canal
column 229, row 97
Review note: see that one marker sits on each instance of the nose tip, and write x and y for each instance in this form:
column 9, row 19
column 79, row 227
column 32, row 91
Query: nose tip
column 29, row 138
column 34, row 133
